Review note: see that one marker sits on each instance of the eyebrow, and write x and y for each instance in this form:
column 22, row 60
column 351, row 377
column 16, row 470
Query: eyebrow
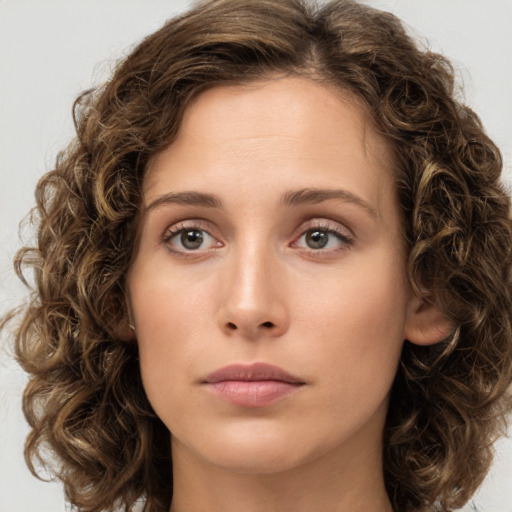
column 291, row 198
column 186, row 198
column 317, row 195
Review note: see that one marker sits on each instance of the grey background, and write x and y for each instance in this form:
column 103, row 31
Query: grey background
column 51, row 50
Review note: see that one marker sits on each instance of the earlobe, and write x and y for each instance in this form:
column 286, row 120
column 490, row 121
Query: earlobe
column 426, row 324
column 125, row 331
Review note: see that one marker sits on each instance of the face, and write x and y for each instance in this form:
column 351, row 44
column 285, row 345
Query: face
column 268, row 292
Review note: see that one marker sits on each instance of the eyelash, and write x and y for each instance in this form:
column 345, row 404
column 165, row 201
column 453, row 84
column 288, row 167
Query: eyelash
column 342, row 236
column 344, row 239
column 174, row 231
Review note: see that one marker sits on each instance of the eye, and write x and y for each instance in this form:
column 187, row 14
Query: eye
column 326, row 238
column 316, row 239
column 183, row 239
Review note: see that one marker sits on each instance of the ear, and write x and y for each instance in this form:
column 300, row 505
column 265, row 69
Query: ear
column 125, row 328
column 425, row 324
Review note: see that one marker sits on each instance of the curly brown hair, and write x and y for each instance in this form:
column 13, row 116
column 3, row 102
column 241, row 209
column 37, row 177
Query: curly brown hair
column 85, row 400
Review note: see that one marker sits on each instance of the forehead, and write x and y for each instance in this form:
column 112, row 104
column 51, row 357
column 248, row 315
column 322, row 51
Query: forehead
column 251, row 146
column 304, row 118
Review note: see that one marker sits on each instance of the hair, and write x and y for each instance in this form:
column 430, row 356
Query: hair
column 91, row 423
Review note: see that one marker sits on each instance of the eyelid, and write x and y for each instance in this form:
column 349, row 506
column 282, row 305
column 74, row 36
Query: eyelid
column 343, row 233
column 188, row 225
column 328, row 225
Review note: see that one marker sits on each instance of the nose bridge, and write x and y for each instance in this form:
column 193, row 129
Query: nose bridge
column 251, row 289
column 253, row 302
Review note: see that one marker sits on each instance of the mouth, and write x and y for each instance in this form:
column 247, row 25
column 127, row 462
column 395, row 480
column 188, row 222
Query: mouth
column 254, row 385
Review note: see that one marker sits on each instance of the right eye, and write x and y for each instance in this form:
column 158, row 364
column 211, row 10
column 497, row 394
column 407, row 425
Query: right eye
column 189, row 239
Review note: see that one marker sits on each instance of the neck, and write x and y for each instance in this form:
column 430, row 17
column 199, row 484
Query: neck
column 333, row 482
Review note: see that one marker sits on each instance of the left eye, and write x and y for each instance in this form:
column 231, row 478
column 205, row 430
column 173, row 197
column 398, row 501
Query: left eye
column 190, row 239
column 320, row 238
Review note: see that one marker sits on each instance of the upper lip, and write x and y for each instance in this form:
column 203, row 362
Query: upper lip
column 251, row 372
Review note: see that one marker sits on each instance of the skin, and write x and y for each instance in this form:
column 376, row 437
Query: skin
column 256, row 291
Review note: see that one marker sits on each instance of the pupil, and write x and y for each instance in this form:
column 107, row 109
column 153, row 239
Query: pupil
column 191, row 239
column 317, row 239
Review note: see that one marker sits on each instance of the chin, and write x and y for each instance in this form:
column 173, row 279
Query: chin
column 254, row 461
column 258, row 448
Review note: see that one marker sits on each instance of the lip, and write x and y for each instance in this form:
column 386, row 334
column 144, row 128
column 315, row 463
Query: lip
column 254, row 385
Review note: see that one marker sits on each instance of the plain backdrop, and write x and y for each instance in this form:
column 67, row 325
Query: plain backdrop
column 51, row 50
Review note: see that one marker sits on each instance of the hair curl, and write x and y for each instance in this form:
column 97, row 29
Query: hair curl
column 85, row 401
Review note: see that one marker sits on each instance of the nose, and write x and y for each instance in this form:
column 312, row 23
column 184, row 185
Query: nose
column 253, row 303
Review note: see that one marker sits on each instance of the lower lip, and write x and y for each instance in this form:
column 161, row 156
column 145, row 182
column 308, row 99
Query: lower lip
column 252, row 393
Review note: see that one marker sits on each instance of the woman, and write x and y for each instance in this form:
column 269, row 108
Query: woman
column 279, row 238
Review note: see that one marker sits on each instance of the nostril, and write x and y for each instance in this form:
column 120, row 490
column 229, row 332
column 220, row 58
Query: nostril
column 267, row 324
column 231, row 326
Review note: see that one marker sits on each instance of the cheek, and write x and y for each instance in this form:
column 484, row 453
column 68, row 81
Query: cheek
column 169, row 316
column 166, row 302
column 357, row 321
